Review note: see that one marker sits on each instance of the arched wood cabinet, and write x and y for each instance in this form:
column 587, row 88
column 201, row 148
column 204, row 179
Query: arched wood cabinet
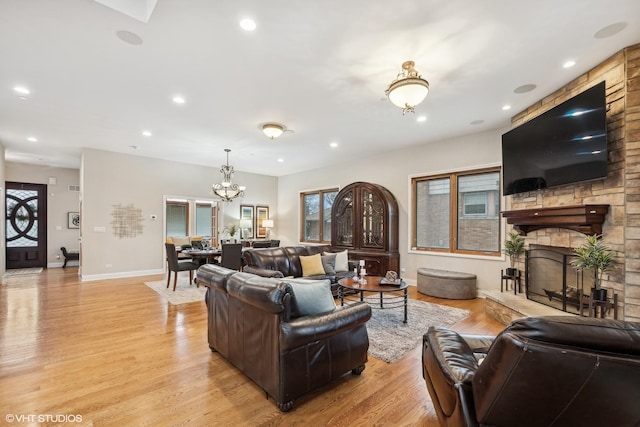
column 364, row 220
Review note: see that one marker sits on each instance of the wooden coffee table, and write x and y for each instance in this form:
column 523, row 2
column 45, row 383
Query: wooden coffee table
column 390, row 296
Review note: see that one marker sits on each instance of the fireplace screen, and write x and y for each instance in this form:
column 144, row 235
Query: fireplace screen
column 550, row 278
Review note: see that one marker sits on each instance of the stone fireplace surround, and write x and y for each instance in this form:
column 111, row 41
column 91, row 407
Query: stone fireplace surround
column 620, row 190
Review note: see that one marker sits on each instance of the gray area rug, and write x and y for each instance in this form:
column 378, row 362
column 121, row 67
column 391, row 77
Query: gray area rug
column 390, row 339
column 184, row 292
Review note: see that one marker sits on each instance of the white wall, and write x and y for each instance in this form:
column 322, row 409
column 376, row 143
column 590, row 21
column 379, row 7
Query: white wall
column 393, row 170
column 60, row 201
column 110, row 179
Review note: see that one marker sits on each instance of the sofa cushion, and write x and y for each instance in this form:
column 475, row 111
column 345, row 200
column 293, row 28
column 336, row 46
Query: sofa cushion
column 329, row 263
column 312, row 296
column 311, row 265
column 342, row 260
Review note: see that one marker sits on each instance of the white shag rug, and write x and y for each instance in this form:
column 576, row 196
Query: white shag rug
column 390, row 339
column 184, row 292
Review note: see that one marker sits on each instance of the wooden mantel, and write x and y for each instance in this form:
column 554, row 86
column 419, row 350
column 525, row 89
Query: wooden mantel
column 587, row 219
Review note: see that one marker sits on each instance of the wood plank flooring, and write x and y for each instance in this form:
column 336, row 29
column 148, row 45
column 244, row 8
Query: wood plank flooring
column 115, row 353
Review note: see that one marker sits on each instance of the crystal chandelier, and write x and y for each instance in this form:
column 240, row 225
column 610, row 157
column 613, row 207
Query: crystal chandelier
column 227, row 191
column 408, row 89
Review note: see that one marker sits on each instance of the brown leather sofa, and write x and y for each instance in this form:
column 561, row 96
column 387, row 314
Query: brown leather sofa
column 253, row 322
column 540, row 371
column 285, row 262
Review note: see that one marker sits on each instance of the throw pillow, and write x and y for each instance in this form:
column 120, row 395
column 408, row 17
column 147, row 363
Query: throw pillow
column 312, row 296
column 311, row 265
column 342, row 260
column 329, row 263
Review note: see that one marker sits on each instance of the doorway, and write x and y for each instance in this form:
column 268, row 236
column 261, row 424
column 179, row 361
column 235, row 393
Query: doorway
column 26, row 225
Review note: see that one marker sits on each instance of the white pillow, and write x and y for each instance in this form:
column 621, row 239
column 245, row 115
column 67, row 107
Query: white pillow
column 312, row 296
column 342, row 260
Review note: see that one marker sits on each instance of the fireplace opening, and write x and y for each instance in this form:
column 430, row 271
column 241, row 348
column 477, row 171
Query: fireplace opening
column 550, row 278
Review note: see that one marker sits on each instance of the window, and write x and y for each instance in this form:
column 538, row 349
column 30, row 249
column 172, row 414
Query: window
column 316, row 215
column 204, row 219
column 177, row 218
column 457, row 212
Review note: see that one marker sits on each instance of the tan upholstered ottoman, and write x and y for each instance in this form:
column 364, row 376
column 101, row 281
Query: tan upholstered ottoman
column 446, row 284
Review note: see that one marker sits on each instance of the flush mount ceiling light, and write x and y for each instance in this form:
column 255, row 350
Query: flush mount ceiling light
column 408, row 89
column 227, row 191
column 272, row 130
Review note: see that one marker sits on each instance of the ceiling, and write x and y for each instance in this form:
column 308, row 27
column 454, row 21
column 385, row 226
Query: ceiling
column 320, row 68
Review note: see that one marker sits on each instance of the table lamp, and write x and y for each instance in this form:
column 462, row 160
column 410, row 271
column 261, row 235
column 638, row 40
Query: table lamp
column 267, row 223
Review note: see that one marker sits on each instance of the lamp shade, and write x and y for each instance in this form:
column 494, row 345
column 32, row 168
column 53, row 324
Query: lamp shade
column 272, row 130
column 267, row 223
column 408, row 89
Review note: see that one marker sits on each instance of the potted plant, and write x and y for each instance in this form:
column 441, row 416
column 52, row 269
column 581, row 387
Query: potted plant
column 233, row 230
column 594, row 255
column 513, row 248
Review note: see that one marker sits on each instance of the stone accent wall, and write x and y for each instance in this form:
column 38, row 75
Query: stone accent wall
column 621, row 189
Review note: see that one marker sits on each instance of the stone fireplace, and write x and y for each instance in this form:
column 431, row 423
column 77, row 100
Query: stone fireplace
column 620, row 190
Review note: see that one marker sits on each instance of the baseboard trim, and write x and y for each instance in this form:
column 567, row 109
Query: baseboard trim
column 119, row 275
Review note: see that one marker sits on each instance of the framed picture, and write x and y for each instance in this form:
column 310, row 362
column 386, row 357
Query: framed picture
column 262, row 212
column 247, row 226
column 73, row 220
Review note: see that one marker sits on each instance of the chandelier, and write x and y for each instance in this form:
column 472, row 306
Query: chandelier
column 408, row 89
column 227, row 191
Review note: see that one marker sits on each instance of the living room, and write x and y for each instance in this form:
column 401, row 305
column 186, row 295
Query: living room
column 119, row 178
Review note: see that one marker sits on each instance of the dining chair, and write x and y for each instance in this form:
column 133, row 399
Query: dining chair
column 177, row 266
column 231, row 256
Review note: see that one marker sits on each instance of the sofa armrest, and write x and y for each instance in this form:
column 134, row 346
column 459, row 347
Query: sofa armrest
column 303, row 330
column 264, row 272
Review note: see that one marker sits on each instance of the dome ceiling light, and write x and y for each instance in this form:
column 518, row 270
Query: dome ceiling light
column 408, row 89
column 272, row 130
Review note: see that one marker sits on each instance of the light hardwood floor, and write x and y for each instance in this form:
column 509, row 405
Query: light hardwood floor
column 115, row 353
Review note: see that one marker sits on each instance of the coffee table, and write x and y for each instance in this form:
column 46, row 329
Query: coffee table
column 390, row 296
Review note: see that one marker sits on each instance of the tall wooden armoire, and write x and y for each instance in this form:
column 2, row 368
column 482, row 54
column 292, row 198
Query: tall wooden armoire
column 364, row 220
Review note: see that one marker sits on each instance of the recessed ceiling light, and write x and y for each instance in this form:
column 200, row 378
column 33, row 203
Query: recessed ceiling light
column 281, row 160
column 21, row 89
column 333, row 145
column 248, row 24
column 178, row 99
column 568, row 64
column 146, row 133
column 32, row 139
column 506, row 107
column 524, row 88
column 421, row 119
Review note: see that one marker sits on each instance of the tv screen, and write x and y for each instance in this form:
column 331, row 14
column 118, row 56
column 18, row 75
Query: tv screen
column 564, row 145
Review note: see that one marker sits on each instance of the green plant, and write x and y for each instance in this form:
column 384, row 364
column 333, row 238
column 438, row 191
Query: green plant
column 593, row 255
column 513, row 247
column 233, row 229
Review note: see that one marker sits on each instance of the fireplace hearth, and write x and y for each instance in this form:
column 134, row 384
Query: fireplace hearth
column 550, row 278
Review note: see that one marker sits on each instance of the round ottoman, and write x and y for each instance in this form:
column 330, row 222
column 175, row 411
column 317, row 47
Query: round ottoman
column 446, row 284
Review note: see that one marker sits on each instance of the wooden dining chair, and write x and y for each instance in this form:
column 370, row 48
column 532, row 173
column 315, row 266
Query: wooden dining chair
column 177, row 266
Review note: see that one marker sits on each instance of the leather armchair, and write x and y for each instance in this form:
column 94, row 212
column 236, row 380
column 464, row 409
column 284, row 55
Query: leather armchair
column 253, row 322
column 540, row 371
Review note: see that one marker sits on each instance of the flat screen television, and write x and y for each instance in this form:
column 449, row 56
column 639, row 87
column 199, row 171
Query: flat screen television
column 564, row 145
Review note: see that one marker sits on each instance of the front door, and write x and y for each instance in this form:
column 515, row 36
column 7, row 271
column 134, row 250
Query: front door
column 26, row 225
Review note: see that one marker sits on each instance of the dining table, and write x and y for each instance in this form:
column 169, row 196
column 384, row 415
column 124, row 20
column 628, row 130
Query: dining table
column 209, row 255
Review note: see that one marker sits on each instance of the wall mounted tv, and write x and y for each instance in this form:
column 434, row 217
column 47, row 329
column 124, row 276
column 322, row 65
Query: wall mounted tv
column 564, row 145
